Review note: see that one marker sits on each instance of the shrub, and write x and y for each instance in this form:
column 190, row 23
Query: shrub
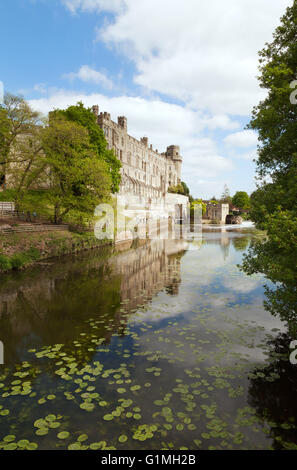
column 18, row 260
column 5, row 263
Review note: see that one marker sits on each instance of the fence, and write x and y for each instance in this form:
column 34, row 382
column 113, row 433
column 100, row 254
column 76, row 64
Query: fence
column 32, row 228
column 6, row 208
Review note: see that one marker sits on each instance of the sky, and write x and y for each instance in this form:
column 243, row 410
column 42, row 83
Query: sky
column 182, row 72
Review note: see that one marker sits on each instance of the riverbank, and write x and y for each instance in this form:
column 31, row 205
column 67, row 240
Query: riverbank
column 21, row 250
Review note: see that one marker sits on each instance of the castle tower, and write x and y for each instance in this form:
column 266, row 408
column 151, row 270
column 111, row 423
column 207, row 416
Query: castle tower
column 144, row 140
column 122, row 121
column 173, row 152
column 95, row 109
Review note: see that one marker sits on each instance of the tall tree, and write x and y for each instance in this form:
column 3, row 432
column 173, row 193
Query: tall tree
column 241, row 200
column 17, row 119
column 78, row 180
column 274, row 205
column 226, row 197
column 86, row 118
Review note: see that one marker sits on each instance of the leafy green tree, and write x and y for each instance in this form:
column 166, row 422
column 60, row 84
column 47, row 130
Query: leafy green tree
column 241, row 200
column 199, row 202
column 181, row 188
column 78, row 181
column 17, row 120
column 273, row 205
column 186, row 188
column 86, row 118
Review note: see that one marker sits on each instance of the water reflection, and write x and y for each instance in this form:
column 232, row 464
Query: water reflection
column 272, row 393
column 172, row 327
column 47, row 304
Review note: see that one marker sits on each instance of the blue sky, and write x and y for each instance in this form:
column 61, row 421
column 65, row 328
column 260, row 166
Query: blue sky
column 182, row 72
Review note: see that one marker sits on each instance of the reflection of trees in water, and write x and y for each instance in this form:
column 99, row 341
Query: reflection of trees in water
column 282, row 302
column 276, row 400
column 241, row 243
column 278, row 264
column 273, row 391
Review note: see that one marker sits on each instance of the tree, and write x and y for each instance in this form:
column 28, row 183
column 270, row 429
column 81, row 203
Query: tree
column 199, row 202
column 273, row 205
column 86, row 118
column 17, row 119
column 275, row 118
column 181, row 188
column 226, row 198
column 78, row 180
column 241, row 200
column 186, row 188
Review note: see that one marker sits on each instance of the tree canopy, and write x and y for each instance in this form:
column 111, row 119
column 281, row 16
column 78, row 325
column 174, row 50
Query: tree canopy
column 17, row 119
column 241, row 200
column 273, row 204
column 54, row 167
column 86, row 118
column 78, row 180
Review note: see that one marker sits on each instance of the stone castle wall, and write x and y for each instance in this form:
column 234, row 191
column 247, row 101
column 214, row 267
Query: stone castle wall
column 145, row 172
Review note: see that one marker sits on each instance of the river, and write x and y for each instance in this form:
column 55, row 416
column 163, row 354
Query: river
column 166, row 345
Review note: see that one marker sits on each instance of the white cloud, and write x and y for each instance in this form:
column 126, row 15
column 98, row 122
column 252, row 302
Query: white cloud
column 222, row 121
column 88, row 75
column 249, row 156
column 204, row 53
column 40, row 88
column 243, row 139
column 93, row 5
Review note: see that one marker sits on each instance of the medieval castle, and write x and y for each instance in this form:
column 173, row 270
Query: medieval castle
column 145, row 172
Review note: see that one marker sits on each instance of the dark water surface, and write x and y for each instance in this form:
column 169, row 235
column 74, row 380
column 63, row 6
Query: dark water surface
column 163, row 346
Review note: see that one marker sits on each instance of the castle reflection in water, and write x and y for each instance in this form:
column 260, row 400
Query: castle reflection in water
column 49, row 303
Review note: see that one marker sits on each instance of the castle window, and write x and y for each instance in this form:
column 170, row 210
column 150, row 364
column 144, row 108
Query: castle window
column 121, row 154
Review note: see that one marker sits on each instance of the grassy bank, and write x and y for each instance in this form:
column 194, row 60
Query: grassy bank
column 20, row 250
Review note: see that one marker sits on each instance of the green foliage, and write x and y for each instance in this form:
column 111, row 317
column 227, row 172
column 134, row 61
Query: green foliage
column 275, row 118
column 273, row 205
column 67, row 157
column 200, row 202
column 181, row 188
column 5, row 263
column 18, row 260
column 86, row 118
column 78, row 181
column 241, row 200
column 186, row 189
column 17, row 119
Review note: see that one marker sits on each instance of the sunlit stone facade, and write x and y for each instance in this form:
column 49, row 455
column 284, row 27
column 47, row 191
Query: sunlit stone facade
column 145, row 172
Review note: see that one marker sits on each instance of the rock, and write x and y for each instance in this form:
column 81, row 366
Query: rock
column 234, row 219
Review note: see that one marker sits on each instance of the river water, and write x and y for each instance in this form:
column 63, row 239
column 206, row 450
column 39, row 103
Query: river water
column 162, row 346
